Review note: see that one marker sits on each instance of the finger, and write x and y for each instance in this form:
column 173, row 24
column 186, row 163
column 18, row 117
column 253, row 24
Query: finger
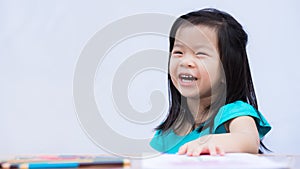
column 190, row 149
column 182, row 149
column 197, row 151
column 220, row 150
column 212, row 150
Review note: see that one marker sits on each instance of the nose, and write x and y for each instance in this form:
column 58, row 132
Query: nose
column 188, row 62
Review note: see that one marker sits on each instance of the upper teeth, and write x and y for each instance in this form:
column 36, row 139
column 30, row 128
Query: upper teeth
column 188, row 77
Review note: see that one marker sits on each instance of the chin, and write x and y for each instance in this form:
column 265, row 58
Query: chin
column 190, row 95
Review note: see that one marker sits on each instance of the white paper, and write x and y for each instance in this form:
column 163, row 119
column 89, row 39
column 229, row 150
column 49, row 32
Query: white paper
column 231, row 160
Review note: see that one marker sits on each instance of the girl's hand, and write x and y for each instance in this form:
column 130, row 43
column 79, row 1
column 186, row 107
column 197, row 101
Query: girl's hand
column 203, row 145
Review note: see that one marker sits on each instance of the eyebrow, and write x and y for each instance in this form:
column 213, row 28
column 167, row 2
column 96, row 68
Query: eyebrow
column 178, row 45
column 199, row 46
column 205, row 46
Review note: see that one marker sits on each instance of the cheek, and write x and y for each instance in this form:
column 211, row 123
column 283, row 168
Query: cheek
column 204, row 68
column 213, row 76
column 172, row 68
column 173, row 72
column 209, row 72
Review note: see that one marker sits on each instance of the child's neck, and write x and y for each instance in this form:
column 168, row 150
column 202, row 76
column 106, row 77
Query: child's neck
column 198, row 107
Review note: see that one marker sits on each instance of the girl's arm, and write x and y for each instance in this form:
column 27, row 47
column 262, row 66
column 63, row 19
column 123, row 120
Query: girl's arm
column 242, row 137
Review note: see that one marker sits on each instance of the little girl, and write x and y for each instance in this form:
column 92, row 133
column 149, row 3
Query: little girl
column 213, row 107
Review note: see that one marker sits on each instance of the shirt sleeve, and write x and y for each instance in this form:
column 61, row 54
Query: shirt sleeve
column 156, row 142
column 237, row 109
column 167, row 142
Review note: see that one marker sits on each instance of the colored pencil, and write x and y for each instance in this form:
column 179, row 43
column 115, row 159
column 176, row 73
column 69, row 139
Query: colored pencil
column 61, row 163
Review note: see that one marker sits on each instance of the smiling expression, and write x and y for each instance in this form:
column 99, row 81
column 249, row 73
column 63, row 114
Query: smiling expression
column 195, row 62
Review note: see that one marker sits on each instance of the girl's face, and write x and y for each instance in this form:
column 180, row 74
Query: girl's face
column 195, row 62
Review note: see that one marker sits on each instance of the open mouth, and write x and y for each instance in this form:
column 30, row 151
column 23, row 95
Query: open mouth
column 186, row 78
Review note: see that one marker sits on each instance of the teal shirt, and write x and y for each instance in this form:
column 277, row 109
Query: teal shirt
column 170, row 142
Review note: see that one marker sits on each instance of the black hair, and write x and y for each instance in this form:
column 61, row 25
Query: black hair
column 232, row 41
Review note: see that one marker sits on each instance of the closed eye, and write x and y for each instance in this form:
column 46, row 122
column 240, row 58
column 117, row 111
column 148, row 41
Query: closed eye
column 201, row 54
column 177, row 53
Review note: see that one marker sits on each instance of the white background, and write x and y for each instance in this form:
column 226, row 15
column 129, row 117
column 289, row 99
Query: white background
column 40, row 42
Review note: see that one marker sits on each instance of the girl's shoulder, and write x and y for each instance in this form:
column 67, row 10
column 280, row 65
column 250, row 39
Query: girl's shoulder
column 237, row 109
